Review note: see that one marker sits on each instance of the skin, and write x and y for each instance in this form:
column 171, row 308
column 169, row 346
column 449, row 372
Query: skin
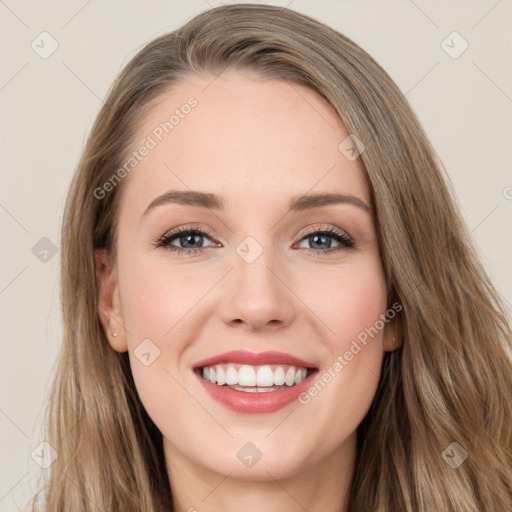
column 255, row 142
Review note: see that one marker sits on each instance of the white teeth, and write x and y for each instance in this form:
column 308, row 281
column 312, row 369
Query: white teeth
column 221, row 376
column 299, row 376
column 254, row 389
column 265, row 377
column 290, row 376
column 254, row 378
column 246, row 376
column 231, row 376
column 279, row 376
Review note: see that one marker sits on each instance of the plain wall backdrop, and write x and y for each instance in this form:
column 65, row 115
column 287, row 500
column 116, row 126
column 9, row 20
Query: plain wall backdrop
column 463, row 97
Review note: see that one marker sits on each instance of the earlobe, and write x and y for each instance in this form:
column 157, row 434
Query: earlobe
column 109, row 303
column 392, row 340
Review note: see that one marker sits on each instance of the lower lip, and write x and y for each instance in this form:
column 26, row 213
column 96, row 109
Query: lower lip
column 255, row 403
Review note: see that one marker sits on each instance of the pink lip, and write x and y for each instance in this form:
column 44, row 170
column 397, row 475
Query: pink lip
column 255, row 359
column 252, row 403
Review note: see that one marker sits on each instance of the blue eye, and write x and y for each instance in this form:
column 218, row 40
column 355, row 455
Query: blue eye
column 191, row 240
column 323, row 237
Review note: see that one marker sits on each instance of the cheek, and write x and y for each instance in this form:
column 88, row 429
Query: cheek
column 167, row 304
column 155, row 313
column 156, row 297
column 349, row 300
column 155, row 302
column 352, row 307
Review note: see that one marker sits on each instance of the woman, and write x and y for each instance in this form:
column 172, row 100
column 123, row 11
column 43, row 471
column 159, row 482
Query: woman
column 256, row 368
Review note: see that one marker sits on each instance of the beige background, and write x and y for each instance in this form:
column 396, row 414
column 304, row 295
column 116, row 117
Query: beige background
column 48, row 106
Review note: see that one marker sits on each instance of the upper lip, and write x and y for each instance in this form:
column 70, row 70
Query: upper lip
column 255, row 359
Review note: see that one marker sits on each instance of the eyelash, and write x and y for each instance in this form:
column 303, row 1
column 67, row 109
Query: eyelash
column 339, row 236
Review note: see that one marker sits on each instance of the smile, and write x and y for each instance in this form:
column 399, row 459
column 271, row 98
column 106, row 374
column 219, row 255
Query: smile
column 255, row 378
column 254, row 388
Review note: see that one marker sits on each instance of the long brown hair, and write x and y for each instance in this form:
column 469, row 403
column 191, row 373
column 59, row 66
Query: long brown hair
column 451, row 381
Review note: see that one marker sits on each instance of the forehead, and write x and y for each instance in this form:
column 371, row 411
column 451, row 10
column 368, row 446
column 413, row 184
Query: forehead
column 250, row 139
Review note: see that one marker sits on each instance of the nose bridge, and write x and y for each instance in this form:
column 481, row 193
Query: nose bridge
column 257, row 295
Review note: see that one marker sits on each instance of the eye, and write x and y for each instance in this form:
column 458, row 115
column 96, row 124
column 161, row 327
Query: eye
column 322, row 239
column 190, row 240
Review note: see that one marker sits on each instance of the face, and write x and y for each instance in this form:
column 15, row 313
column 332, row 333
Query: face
column 248, row 258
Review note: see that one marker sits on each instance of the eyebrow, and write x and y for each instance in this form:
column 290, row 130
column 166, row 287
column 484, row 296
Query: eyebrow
column 215, row 202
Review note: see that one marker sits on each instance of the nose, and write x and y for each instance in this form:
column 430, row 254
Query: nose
column 256, row 295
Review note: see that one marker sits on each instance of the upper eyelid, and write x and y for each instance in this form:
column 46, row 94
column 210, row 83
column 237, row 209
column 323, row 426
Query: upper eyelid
column 205, row 231
column 330, row 230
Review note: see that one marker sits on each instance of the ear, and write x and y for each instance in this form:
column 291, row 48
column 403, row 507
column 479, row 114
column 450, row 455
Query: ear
column 392, row 338
column 109, row 302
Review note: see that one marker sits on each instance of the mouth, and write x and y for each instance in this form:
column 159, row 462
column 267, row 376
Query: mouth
column 254, row 379
column 246, row 382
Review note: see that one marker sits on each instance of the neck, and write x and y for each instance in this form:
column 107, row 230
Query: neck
column 320, row 486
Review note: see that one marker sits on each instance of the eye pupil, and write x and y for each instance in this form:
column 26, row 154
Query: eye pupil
column 314, row 239
column 186, row 238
